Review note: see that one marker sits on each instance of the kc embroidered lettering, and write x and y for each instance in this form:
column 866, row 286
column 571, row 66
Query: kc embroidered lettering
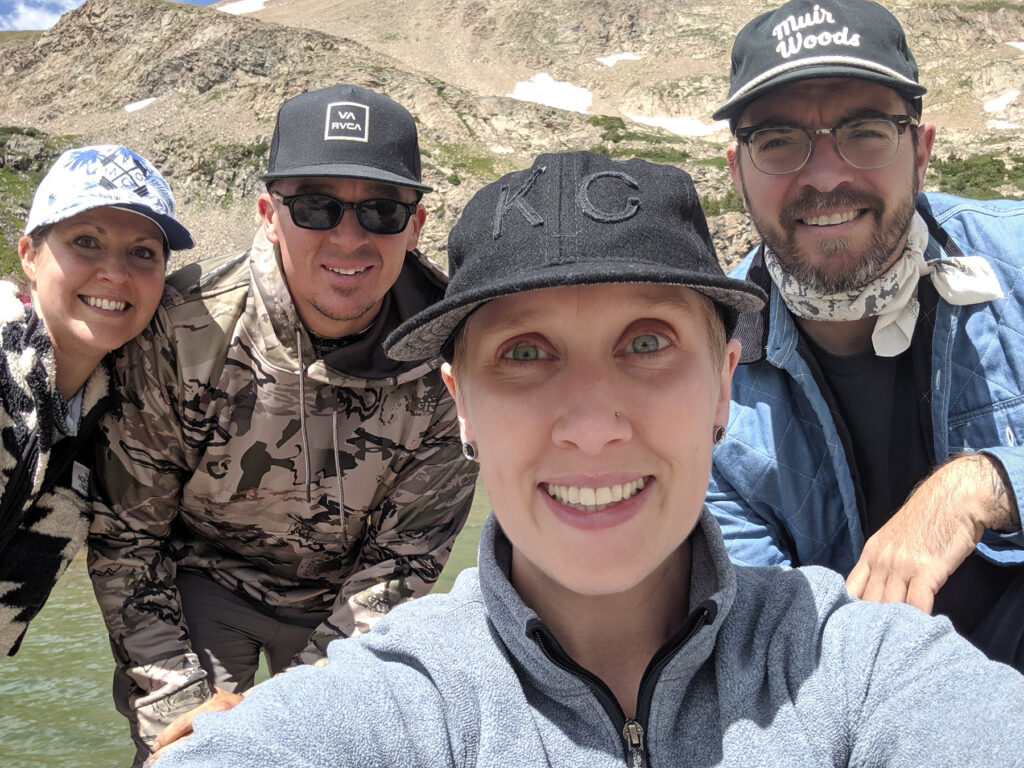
column 630, row 205
column 347, row 121
column 506, row 202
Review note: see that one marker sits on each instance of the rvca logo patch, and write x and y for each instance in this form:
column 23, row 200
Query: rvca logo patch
column 347, row 121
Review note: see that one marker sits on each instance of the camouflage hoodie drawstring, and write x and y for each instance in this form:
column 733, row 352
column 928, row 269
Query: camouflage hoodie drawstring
column 337, row 477
column 302, row 414
column 305, row 441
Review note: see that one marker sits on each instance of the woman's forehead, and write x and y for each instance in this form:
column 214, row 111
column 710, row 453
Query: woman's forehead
column 110, row 218
column 534, row 307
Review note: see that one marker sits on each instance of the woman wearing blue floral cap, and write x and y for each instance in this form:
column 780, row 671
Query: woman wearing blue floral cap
column 94, row 254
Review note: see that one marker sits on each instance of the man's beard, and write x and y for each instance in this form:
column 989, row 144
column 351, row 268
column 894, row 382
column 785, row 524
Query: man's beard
column 821, row 274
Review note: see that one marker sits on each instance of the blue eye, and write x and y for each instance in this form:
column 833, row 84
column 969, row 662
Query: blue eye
column 646, row 343
column 523, row 352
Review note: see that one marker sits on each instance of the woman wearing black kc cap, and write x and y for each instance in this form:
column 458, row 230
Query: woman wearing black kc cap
column 586, row 330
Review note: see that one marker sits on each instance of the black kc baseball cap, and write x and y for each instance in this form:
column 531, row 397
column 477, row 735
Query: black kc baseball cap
column 806, row 39
column 347, row 131
column 576, row 218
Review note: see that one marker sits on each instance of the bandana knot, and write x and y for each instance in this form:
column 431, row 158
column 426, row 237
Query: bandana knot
column 892, row 296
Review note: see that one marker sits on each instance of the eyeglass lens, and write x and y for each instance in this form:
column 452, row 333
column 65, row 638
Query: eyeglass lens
column 379, row 216
column 864, row 144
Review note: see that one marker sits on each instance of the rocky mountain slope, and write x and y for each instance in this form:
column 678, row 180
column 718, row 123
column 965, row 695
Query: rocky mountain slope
column 682, row 48
column 216, row 80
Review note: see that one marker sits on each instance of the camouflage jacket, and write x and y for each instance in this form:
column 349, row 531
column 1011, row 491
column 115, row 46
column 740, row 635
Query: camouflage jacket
column 44, row 475
column 240, row 455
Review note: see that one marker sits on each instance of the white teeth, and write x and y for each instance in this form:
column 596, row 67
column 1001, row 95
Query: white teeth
column 594, row 499
column 119, row 306
column 341, row 271
column 833, row 218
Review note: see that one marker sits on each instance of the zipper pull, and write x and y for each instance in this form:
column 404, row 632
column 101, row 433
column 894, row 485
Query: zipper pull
column 633, row 733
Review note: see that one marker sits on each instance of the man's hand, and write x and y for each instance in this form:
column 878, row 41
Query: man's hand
column 935, row 530
column 181, row 726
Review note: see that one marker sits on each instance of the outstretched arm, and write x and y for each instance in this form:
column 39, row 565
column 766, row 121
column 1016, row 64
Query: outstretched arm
column 939, row 525
column 140, row 470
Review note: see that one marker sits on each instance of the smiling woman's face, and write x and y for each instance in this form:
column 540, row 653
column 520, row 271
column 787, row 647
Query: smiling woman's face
column 592, row 409
column 97, row 280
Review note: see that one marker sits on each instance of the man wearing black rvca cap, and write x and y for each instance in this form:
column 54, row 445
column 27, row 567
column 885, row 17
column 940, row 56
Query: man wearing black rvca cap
column 274, row 481
column 876, row 426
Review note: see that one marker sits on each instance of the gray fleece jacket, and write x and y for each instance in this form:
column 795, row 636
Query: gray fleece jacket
column 774, row 667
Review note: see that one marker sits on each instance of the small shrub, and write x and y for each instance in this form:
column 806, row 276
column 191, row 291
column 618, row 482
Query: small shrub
column 656, row 154
column 613, row 128
column 977, row 176
column 730, row 202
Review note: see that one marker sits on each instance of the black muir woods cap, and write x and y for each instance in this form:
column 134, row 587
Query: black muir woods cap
column 345, row 131
column 802, row 40
column 574, row 219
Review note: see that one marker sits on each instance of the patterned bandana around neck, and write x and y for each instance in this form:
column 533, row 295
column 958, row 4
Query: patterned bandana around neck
column 892, row 296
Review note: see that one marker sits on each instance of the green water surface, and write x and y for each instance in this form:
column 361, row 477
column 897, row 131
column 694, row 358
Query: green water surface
column 55, row 702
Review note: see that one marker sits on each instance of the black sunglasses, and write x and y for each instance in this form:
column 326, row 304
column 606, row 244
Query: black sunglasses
column 380, row 216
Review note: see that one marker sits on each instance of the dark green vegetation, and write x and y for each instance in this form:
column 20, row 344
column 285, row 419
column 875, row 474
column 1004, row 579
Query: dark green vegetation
column 227, row 168
column 730, row 202
column 463, row 162
column 978, row 176
column 992, row 6
column 619, row 142
column 25, row 156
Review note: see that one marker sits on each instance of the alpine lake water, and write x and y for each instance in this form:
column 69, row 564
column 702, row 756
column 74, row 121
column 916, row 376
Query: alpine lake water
column 55, row 703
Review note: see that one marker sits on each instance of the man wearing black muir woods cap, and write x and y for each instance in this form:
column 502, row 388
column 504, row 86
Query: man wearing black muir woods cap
column 274, row 481
column 878, row 411
column 585, row 331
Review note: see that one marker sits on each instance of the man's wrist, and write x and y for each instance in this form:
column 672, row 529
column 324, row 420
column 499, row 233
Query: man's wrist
column 998, row 504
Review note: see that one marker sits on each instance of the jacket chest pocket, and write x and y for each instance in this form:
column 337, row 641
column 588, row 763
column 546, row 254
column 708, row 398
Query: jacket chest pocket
column 997, row 424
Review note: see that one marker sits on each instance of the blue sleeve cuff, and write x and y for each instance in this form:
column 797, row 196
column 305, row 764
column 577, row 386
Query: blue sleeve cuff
column 1006, row 548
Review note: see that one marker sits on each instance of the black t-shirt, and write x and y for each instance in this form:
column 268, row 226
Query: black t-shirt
column 882, row 411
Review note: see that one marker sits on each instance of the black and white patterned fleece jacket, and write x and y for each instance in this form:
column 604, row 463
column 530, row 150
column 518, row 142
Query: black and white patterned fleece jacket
column 44, row 472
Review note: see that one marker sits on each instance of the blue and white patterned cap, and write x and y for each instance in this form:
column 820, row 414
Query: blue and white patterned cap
column 102, row 175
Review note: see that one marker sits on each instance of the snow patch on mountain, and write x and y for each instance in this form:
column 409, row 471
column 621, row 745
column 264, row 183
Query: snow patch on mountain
column 135, row 106
column 681, row 126
column 243, row 6
column 1000, row 103
column 544, row 89
column 615, row 58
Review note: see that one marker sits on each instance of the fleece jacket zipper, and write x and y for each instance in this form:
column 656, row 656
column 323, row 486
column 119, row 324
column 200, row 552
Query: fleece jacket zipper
column 633, row 730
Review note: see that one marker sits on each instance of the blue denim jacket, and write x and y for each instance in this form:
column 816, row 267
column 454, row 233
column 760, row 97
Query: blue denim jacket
column 780, row 483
